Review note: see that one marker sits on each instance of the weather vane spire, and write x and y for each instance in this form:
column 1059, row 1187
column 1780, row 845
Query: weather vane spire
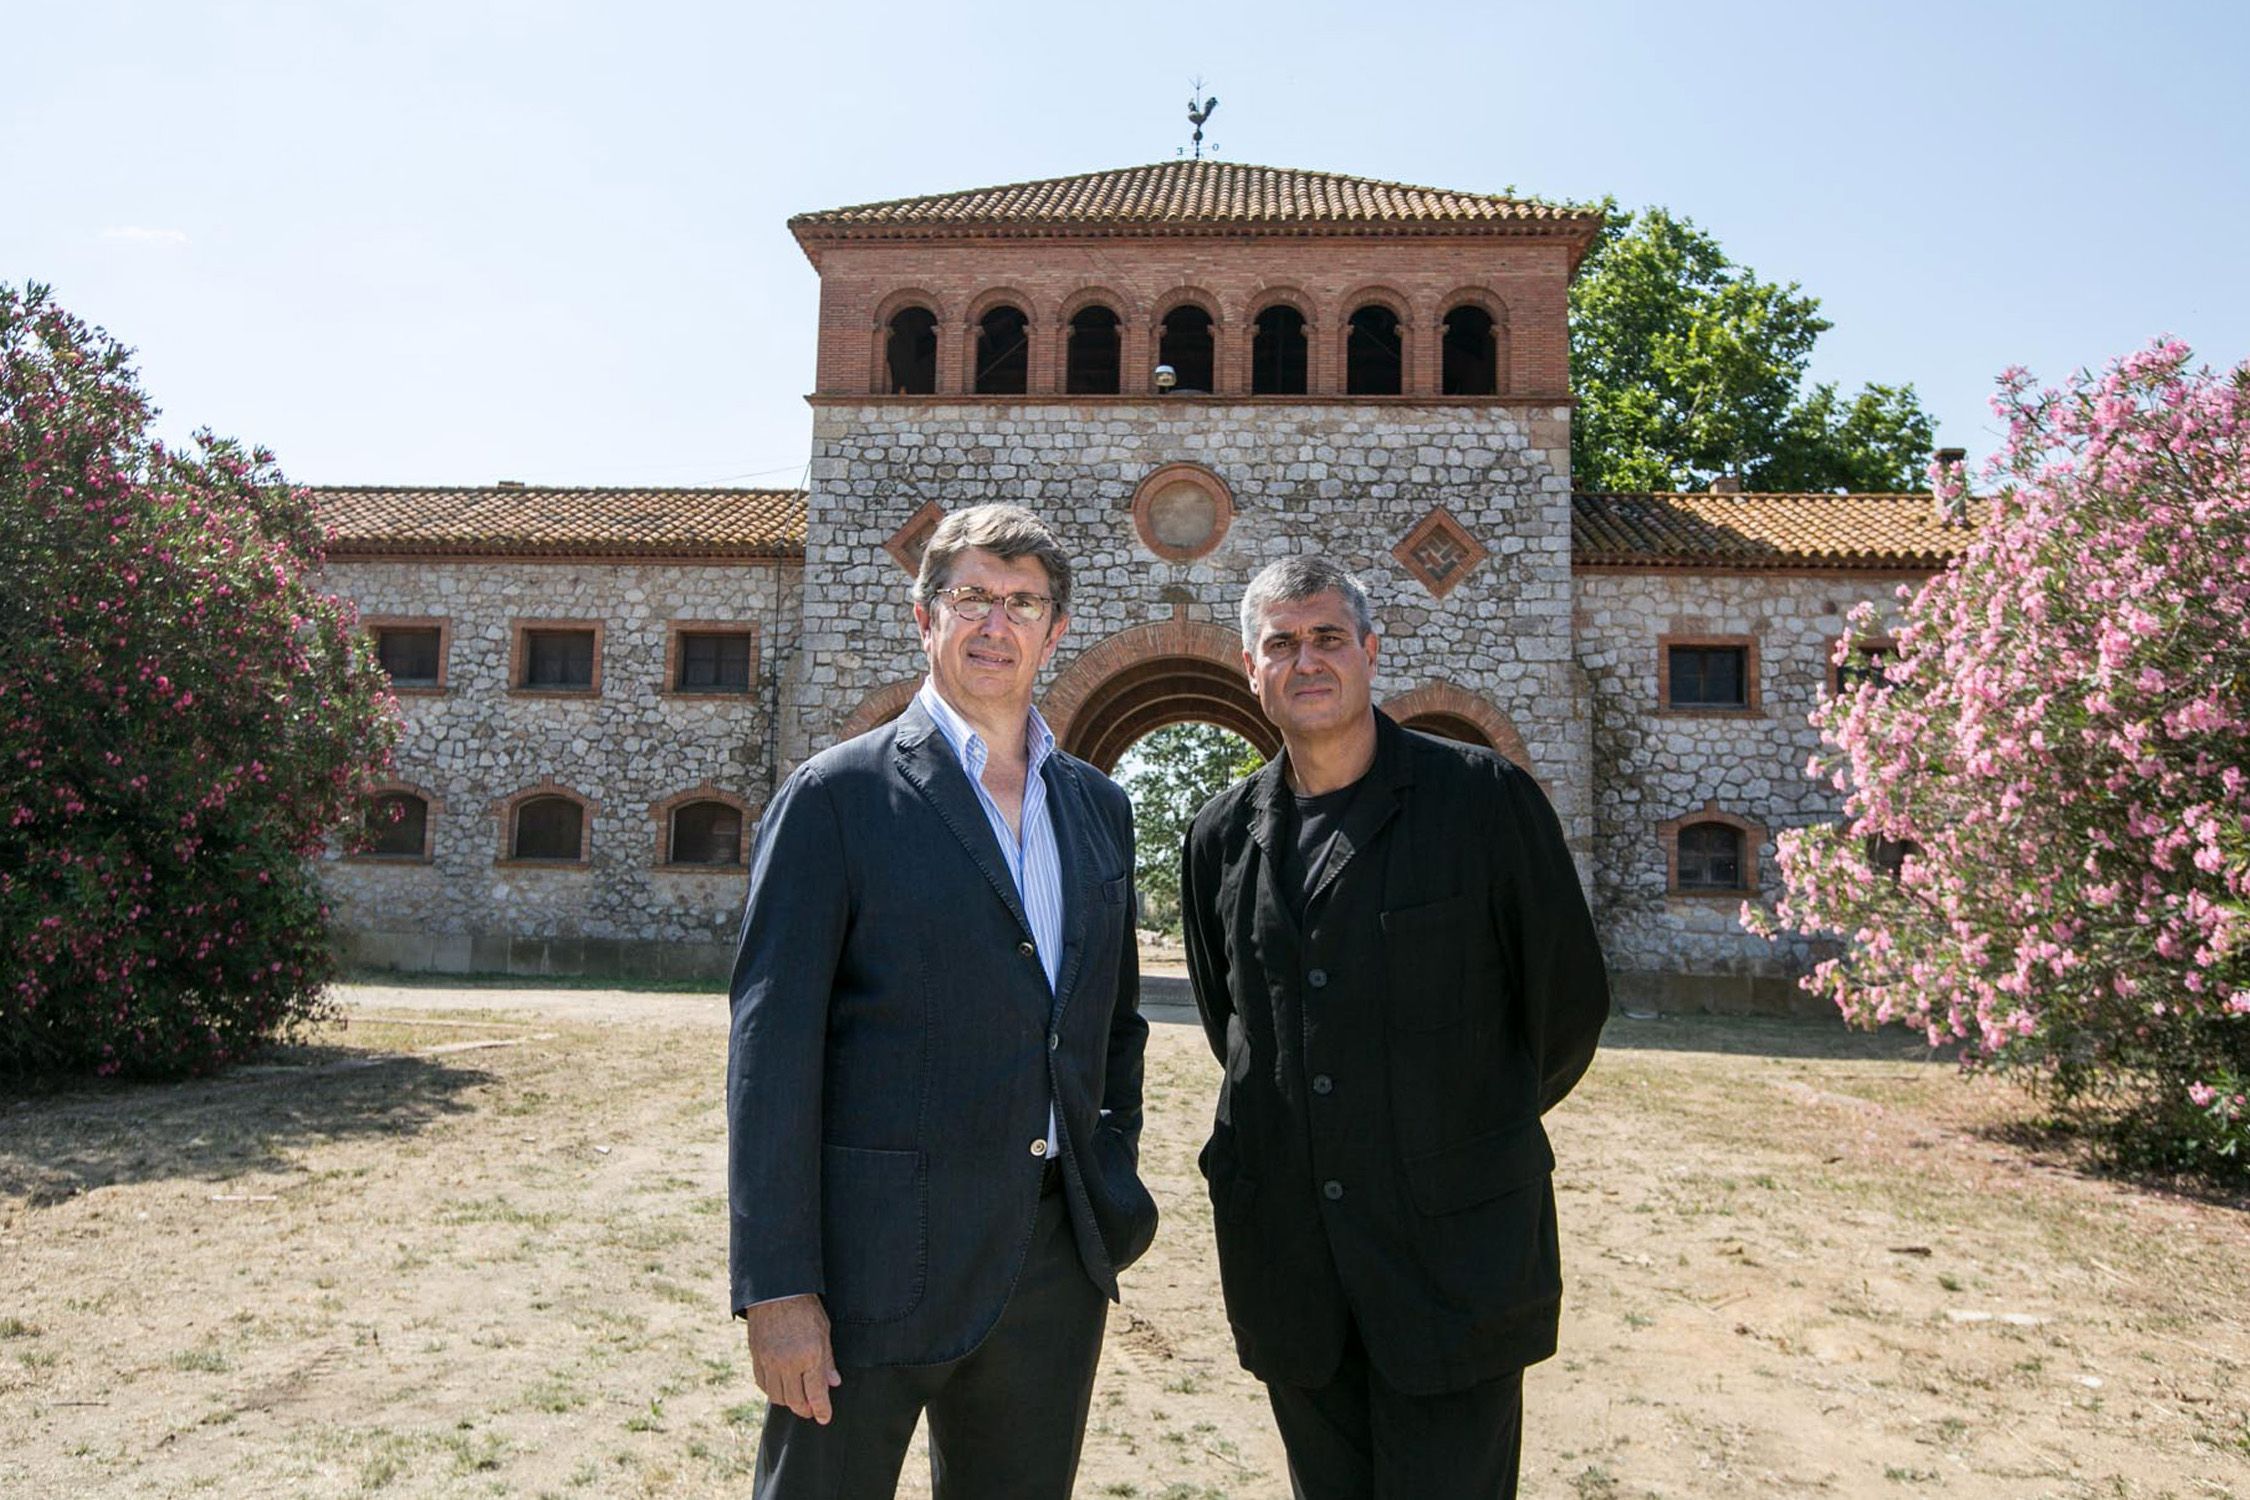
column 1199, row 110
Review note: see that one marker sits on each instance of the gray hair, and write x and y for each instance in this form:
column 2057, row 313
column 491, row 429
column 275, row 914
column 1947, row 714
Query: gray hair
column 1294, row 578
column 1007, row 532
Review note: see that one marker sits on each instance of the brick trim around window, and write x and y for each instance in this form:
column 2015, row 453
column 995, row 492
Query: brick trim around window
column 433, row 807
column 507, row 807
column 1753, row 695
column 662, row 812
column 375, row 624
column 519, row 658
column 1753, row 835
column 672, row 652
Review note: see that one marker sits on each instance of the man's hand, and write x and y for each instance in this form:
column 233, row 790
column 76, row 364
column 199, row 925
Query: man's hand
column 789, row 1354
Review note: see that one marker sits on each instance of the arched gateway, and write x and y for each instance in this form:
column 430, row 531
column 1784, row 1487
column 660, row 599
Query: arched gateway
column 1139, row 680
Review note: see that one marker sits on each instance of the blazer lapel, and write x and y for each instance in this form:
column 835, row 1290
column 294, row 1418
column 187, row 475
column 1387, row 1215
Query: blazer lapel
column 1068, row 813
column 1267, row 829
column 1374, row 807
column 930, row 767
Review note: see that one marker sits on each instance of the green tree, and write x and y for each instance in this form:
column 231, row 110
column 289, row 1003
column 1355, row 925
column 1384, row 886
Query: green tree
column 184, row 718
column 1170, row 775
column 1688, row 367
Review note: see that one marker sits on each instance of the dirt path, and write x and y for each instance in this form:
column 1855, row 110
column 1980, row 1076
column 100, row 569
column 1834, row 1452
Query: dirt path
column 473, row 1244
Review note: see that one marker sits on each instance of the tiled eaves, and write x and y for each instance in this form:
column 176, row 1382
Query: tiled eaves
column 1880, row 532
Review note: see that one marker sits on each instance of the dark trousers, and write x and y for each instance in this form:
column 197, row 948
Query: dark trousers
column 1006, row 1420
column 1359, row 1438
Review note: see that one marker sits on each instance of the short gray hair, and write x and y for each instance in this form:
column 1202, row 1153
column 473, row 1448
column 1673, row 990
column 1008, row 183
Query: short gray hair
column 1295, row 578
column 1007, row 532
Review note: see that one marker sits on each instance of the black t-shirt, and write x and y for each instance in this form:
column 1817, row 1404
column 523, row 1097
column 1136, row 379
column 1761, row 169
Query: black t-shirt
column 1313, row 822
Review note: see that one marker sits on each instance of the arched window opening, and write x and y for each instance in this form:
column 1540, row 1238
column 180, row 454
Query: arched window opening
column 911, row 352
column 1277, row 352
column 1450, row 727
column 1003, row 353
column 1374, row 359
column 398, row 825
column 1710, row 857
column 549, row 828
column 1186, row 346
column 706, row 833
column 1472, row 364
column 1091, row 368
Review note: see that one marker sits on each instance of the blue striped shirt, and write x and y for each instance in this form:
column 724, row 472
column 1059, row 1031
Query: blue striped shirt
column 1033, row 861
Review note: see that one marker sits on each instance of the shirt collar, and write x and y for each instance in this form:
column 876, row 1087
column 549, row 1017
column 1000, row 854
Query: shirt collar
column 1038, row 738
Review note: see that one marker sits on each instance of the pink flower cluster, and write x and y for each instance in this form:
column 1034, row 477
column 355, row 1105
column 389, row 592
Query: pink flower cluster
column 2059, row 746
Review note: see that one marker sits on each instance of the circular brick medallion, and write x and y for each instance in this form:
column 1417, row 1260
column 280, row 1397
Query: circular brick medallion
column 1182, row 511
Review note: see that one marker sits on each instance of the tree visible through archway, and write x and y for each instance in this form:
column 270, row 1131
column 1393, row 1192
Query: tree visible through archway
column 1170, row 774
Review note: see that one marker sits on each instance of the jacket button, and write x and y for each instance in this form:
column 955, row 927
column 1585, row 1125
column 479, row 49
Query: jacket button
column 1318, row 979
column 1332, row 1190
column 1039, row 1147
column 1054, row 1041
column 1028, row 949
column 1323, row 1084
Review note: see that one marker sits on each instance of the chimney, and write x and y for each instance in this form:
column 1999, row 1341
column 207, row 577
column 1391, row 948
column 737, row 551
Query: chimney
column 1727, row 484
column 1949, row 486
column 510, row 484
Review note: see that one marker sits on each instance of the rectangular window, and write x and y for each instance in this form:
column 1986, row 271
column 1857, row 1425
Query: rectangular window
column 1708, row 677
column 1866, row 664
column 409, row 653
column 558, row 660
column 712, row 662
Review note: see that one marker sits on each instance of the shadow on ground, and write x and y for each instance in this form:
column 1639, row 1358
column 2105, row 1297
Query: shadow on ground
column 212, row 1130
column 1767, row 1036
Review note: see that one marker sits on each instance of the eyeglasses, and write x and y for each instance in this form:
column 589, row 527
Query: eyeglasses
column 975, row 603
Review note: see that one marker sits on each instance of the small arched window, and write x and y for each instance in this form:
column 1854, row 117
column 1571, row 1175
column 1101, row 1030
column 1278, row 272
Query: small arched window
column 1092, row 366
column 552, row 828
column 1374, row 357
column 1277, row 352
column 910, row 352
column 1472, row 365
column 1449, row 727
column 1187, row 347
column 398, row 826
column 1710, row 857
column 705, row 833
column 1003, row 352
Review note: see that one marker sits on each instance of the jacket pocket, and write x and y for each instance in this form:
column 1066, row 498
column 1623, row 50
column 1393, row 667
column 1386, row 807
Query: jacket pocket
column 1424, row 949
column 1232, row 1194
column 1480, row 1169
column 875, row 1209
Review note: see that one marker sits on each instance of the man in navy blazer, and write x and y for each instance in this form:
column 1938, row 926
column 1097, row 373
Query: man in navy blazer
column 934, row 1071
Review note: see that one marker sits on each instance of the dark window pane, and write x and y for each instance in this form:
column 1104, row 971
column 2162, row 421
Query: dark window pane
column 1003, row 353
column 911, row 352
column 558, row 658
column 397, row 823
column 1186, row 347
column 714, row 663
column 1093, row 363
column 1373, row 355
column 1710, row 857
column 549, row 828
column 1709, row 676
column 1471, row 368
column 409, row 654
column 1864, row 665
column 706, row 833
column 1277, row 353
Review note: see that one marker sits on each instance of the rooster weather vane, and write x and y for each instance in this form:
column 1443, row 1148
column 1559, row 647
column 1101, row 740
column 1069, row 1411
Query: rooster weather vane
column 1198, row 113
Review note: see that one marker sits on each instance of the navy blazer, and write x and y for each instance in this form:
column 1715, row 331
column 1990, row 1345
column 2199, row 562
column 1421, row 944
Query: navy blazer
column 895, row 1048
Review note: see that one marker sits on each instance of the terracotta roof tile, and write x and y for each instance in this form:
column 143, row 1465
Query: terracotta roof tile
column 1762, row 531
column 543, row 521
column 1185, row 196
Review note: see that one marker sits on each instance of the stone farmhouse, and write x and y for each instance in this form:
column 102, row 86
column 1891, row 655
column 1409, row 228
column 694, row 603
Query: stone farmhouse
column 1189, row 369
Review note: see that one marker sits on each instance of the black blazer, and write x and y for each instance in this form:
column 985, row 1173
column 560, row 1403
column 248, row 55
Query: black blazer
column 895, row 1047
column 1378, row 1149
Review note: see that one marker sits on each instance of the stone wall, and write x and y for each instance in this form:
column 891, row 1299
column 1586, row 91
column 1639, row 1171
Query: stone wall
column 1688, row 951
column 625, row 749
column 1348, row 479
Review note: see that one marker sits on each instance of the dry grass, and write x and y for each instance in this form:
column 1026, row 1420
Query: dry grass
column 402, row 1261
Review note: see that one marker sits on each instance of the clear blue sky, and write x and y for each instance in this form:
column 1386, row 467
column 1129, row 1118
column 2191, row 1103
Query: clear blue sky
column 453, row 243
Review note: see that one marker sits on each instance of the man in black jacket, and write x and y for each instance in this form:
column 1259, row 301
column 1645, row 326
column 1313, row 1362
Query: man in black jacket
column 934, row 1076
column 1395, row 963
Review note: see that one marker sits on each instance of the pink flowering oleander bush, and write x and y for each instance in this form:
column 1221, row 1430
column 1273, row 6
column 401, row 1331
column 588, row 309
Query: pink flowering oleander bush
column 184, row 717
column 2058, row 750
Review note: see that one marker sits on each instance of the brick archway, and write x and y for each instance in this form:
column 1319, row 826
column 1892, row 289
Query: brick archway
column 1142, row 679
column 1453, row 712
